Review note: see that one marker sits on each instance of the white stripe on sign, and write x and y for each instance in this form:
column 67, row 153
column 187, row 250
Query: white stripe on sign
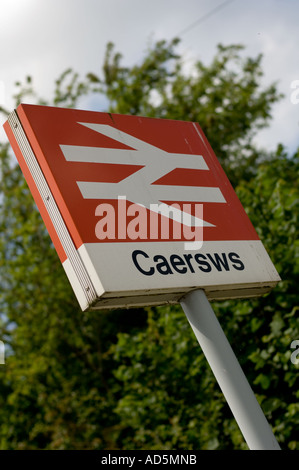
column 138, row 187
column 73, row 153
column 94, row 190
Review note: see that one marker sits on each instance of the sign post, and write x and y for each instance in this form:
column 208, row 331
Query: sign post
column 227, row 370
column 141, row 213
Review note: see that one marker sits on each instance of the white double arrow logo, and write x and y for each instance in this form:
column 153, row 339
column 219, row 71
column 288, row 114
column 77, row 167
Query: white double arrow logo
column 138, row 187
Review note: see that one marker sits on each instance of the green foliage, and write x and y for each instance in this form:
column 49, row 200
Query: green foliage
column 137, row 379
column 272, row 202
column 169, row 396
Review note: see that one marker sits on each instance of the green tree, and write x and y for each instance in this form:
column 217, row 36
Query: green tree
column 137, row 378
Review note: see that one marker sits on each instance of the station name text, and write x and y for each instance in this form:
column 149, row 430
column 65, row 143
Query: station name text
column 186, row 263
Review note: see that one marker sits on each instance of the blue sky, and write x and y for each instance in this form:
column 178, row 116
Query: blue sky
column 43, row 37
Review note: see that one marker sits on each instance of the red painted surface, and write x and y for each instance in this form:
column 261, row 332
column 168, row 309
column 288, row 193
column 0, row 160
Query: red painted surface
column 47, row 128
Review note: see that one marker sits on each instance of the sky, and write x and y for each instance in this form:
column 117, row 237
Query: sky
column 42, row 38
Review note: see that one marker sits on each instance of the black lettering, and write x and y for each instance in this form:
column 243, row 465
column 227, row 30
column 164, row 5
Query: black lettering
column 203, row 265
column 237, row 263
column 218, row 262
column 177, row 261
column 187, row 258
column 162, row 267
column 134, row 258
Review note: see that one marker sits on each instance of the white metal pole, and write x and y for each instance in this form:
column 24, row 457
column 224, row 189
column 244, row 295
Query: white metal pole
column 227, row 370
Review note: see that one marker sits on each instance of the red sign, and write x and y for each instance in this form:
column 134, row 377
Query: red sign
column 92, row 161
column 55, row 134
